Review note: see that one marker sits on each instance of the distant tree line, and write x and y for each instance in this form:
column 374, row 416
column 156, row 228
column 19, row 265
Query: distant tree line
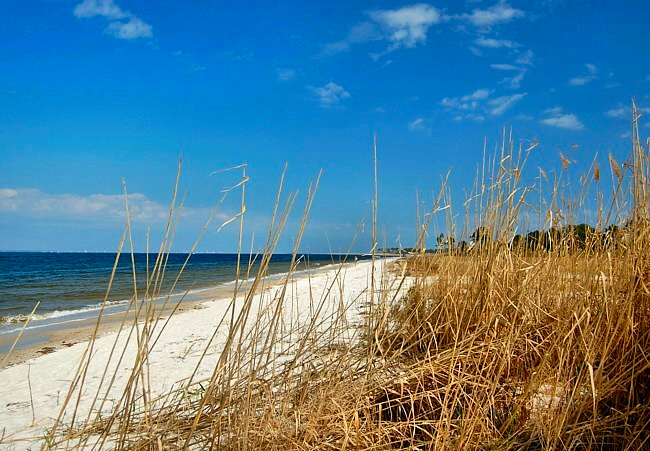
column 570, row 237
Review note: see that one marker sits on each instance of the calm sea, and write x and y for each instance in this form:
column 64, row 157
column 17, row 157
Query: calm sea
column 68, row 283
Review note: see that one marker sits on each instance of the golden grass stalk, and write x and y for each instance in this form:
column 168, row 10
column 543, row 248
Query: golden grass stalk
column 540, row 342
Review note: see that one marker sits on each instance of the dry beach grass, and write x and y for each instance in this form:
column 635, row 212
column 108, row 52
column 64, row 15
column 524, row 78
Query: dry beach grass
column 493, row 347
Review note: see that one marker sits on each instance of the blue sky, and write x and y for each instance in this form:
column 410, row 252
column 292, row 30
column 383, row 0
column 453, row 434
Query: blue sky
column 94, row 91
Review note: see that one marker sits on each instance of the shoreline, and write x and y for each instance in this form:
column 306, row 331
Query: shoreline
column 47, row 338
column 205, row 275
column 35, row 386
column 39, row 339
column 69, row 333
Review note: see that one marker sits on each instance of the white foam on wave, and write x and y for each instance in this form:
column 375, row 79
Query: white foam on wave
column 40, row 320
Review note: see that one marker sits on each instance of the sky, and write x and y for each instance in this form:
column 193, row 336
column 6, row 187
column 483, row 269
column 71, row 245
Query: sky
column 97, row 92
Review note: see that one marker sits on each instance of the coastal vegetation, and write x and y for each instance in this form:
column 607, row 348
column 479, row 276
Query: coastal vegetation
column 512, row 340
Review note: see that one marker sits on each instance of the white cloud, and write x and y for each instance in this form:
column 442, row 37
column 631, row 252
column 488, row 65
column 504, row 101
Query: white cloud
column 121, row 24
column 419, row 124
column 479, row 94
column 93, row 8
column 569, row 121
column 625, row 112
column 617, row 113
column 329, row 95
column 502, row 104
column 553, row 111
column 494, row 43
column 363, row 32
column 133, row 29
column 480, row 100
column 416, row 124
column 562, row 120
column 285, row 74
column 580, row 81
column 498, row 14
column 403, row 27
column 407, row 26
column 526, row 58
column 468, row 102
column 504, row 67
column 515, row 81
column 469, row 117
column 34, row 204
column 31, row 202
column 586, row 78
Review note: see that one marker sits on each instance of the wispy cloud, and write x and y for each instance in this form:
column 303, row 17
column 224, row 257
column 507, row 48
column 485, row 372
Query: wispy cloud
column 34, row 204
column 407, row 26
column 556, row 110
column 504, row 67
column 132, row 29
column 625, row 112
column 480, row 100
column 330, row 94
column 500, row 105
column 617, row 113
column 526, row 58
column 105, row 8
column 420, row 124
column 121, row 24
column 469, row 117
column 363, row 32
column 285, row 74
column 589, row 75
column 468, row 102
column 514, row 82
column 569, row 121
column 557, row 118
column 495, row 43
column 31, row 202
column 495, row 15
column 403, row 27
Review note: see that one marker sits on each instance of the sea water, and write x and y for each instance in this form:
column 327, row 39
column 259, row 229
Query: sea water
column 72, row 286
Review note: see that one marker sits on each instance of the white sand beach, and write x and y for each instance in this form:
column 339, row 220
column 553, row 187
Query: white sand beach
column 32, row 392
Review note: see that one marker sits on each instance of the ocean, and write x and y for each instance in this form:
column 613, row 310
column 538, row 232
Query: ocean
column 71, row 286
